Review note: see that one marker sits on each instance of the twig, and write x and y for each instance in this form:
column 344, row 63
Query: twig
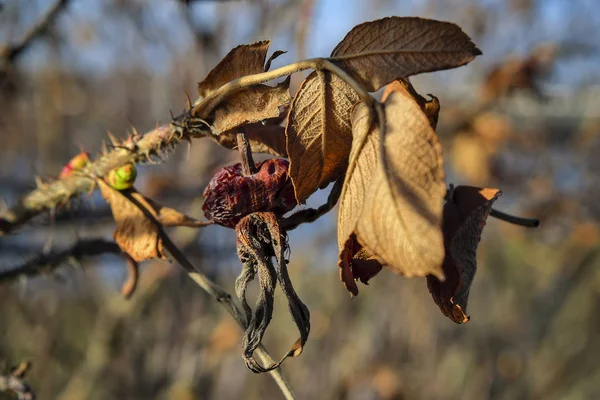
column 10, row 52
column 140, row 148
column 53, row 194
column 46, row 263
column 525, row 222
column 311, row 214
column 13, row 382
column 248, row 165
column 215, row 291
column 203, row 106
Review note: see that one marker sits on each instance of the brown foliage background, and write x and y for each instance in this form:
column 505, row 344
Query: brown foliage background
column 536, row 297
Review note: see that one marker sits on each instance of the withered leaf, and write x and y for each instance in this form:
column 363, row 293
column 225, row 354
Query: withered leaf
column 251, row 105
column 135, row 234
column 268, row 138
column 246, row 59
column 259, row 238
column 431, row 108
column 364, row 159
column 133, row 273
column 273, row 57
column 378, row 52
column 465, row 214
column 400, row 222
column 319, row 132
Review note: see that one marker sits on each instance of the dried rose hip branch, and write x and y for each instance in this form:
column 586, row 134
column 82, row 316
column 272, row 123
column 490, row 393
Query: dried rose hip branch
column 214, row 291
column 385, row 155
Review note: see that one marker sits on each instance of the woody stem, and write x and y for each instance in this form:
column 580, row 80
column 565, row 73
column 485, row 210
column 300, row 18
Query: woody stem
column 243, row 145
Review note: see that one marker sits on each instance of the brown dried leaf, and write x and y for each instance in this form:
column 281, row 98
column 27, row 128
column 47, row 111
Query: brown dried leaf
column 251, row 105
column 135, row 234
column 259, row 238
column 273, row 57
column 170, row 217
column 133, row 274
column 364, row 159
column 246, row 59
column 401, row 215
column 319, row 132
column 431, row 108
column 266, row 138
column 378, row 52
column 465, row 214
column 357, row 263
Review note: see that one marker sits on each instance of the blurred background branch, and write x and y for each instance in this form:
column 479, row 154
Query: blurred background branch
column 10, row 52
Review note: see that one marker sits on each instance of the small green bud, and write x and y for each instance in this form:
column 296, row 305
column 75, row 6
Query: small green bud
column 123, row 177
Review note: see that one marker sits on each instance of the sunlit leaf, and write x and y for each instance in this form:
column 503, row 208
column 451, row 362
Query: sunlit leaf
column 378, row 52
column 319, row 132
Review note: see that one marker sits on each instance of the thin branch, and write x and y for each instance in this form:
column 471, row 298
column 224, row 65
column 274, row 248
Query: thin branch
column 47, row 263
column 525, row 222
column 13, row 383
column 248, row 166
column 203, row 106
column 136, row 149
column 311, row 214
column 140, row 148
column 214, row 290
column 10, row 52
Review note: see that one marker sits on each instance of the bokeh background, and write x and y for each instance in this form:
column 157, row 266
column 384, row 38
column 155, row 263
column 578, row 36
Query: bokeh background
column 523, row 117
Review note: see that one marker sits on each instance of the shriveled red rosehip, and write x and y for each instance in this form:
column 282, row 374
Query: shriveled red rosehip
column 231, row 195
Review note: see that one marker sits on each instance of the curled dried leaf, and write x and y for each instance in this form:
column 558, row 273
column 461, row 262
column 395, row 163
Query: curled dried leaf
column 135, row 234
column 246, row 59
column 431, row 107
column 259, row 239
column 364, row 159
column 276, row 54
column 391, row 208
column 465, row 214
column 378, row 52
column 131, row 282
column 319, row 132
column 251, row 105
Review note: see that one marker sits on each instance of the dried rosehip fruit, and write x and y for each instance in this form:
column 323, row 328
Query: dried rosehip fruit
column 231, row 195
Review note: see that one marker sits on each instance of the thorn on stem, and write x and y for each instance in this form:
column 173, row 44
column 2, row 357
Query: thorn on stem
column 189, row 101
column 113, row 139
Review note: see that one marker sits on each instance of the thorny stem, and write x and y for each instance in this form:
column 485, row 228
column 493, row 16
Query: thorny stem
column 248, row 166
column 215, row 291
column 524, row 222
column 59, row 192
